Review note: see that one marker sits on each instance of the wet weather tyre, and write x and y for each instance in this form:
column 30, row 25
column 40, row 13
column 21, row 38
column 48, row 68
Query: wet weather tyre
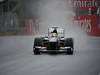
column 37, row 42
column 36, row 51
column 70, row 52
column 69, row 43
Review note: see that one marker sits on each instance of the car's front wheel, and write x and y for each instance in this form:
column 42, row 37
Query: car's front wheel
column 36, row 51
column 69, row 43
column 70, row 51
column 37, row 43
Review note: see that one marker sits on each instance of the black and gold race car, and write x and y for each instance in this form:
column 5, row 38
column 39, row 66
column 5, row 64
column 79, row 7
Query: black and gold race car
column 53, row 43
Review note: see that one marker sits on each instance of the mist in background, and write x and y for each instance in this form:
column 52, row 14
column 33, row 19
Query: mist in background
column 55, row 13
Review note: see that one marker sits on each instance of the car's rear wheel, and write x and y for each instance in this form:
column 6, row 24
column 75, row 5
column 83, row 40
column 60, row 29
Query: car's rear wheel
column 69, row 43
column 37, row 43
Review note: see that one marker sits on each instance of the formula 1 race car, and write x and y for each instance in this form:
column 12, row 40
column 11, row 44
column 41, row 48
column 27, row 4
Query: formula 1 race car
column 53, row 43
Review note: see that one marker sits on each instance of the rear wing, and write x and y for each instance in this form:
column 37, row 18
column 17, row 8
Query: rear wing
column 60, row 31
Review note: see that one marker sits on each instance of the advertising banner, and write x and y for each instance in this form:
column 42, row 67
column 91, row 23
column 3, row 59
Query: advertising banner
column 87, row 15
column 83, row 5
column 89, row 23
column 31, row 26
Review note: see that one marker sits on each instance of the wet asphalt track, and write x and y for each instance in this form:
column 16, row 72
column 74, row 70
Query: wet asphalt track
column 16, row 59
